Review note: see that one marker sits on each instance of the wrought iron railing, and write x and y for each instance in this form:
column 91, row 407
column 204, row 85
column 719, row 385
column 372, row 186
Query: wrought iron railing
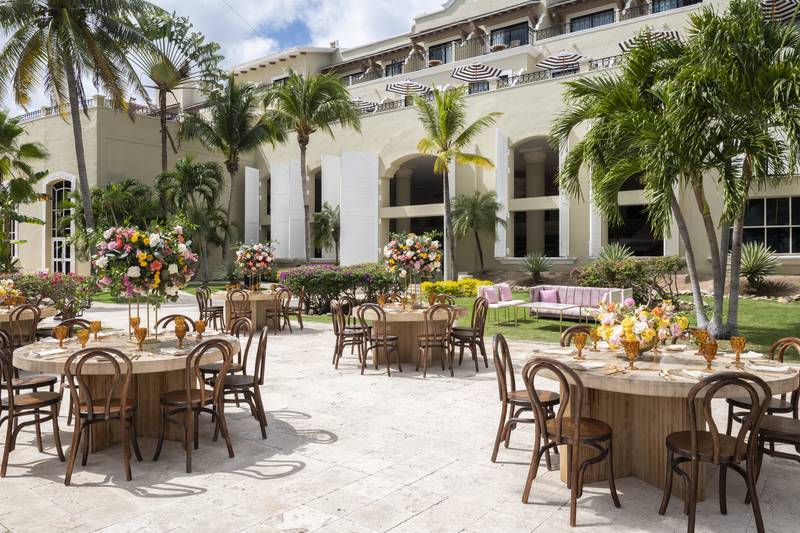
column 89, row 103
column 606, row 62
column 552, row 31
column 521, row 79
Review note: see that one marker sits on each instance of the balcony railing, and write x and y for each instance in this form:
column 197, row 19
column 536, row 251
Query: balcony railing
column 90, row 103
column 606, row 62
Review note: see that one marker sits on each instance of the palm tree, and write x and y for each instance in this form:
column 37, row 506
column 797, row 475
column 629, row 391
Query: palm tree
column 193, row 189
column 17, row 180
column 56, row 43
column 447, row 136
column 325, row 228
column 476, row 213
column 305, row 105
column 179, row 58
column 232, row 126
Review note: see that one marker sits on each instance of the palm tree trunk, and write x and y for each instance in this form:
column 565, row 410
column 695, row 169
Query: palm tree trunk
column 302, row 140
column 336, row 250
column 77, row 134
column 480, row 250
column 449, row 241
column 732, row 325
column 715, row 325
column 162, row 114
column 204, row 258
column 691, row 262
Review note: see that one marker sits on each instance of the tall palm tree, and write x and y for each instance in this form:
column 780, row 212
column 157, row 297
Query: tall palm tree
column 179, row 58
column 55, row 43
column 17, row 180
column 232, row 126
column 475, row 214
column 447, row 136
column 305, row 105
column 193, row 189
column 326, row 228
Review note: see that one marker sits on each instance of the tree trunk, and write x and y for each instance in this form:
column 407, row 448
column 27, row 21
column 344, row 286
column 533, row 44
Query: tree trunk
column 715, row 325
column 336, row 250
column 77, row 134
column 302, row 140
column 162, row 114
column 691, row 262
column 233, row 166
column 732, row 325
column 480, row 250
column 204, row 258
column 449, row 241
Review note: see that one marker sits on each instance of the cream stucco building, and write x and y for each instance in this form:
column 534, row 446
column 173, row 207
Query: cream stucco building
column 377, row 177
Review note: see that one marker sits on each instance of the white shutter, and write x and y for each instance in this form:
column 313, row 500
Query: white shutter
column 359, row 207
column 331, row 188
column 252, row 224
column 501, row 186
column 297, row 238
column 279, row 208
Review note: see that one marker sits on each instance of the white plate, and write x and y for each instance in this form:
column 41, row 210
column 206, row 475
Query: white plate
column 768, row 368
column 174, row 351
column 697, row 374
column 675, row 348
column 210, row 333
column 559, row 351
column 47, row 353
column 745, row 356
column 587, row 365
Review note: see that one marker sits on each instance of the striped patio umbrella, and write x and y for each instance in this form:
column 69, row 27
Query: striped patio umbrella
column 562, row 60
column 364, row 105
column 778, row 10
column 475, row 72
column 407, row 88
column 649, row 37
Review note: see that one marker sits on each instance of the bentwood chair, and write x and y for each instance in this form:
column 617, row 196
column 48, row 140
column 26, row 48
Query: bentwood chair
column 349, row 305
column 72, row 324
column 238, row 306
column 346, row 336
column 184, row 406
column 574, row 432
column 165, row 321
column 278, row 314
column 29, row 381
column 240, row 328
column 439, row 320
column 113, row 406
column 16, row 406
column 696, row 446
column 514, row 402
column 296, row 310
column 566, row 337
column 472, row 337
column 248, row 384
column 207, row 311
column 445, row 299
column 23, row 321
column 377, row 338
column 738, row 407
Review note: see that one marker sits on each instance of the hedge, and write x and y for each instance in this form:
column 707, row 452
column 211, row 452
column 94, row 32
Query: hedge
column 463, row 288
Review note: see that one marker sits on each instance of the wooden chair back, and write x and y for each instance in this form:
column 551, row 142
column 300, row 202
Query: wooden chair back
column 203, row 297
column 348, row 305
column 284, row 297
column 118, row 387
column 337, row 317
column 165, row 321
column 503, row 367
column 22, row 322
column 72, row 323
column 566, row 337
column 5, row 340
column 6, row 375
column 572, row 393
column 445, row 299
column 261, row 357
column 377, row 333
column 759, row 394
column 238, row 302
column 435, row 331
column 242, row 327
column 301, row 299
column 195, row 376
column 777, row 352
column 480, row 310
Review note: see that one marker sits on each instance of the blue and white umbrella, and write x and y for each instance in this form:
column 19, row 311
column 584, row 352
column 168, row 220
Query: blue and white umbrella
column 475, row 72
column 562, row 60
column 648, row 37
column 778, row 10
column 407, row 88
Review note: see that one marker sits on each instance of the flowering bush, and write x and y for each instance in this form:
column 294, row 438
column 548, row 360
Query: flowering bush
column 8, row 293
column 255, row 258
column 133, row 262
column 412, row 254
column 322, row 283
column 467, row 287
column 627, row 321
column 69, row 293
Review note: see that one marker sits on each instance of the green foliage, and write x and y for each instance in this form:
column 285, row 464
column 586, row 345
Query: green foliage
column 537, row 263
column 651, row 279
column 615, row 252
column 69, row 293
column 474, row 214
column 758, row 262
column 463, row 288
column 322, row 283
column 326, row 228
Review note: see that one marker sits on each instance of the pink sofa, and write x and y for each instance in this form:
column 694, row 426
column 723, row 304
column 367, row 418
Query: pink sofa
column 575, row 302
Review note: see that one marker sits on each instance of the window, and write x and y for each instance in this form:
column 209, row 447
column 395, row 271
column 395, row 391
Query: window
column 60, row 251
column 280, row 81
column 441, row 52
column 11, row 227
column 350, row 79
column 774, row 222
column 666, row 5
column 636, row 233
column 592, row 20
column 478, row 87
column 395, row 68
column 511, row 36
column 536, row 231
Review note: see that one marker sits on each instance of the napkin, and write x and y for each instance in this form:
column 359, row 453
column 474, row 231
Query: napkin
column 51, row 340
column 768, row 368
column 675, row 347
column 51, row 351
column 588, row 365
column 697, row 374
column 174, row 351
column 559, row 351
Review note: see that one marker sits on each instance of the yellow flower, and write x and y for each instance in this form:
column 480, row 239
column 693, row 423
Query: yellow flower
column 146, row 241
column 664, row 323
column 683, row 322
column 629, row 336
column 134, row 237
column 648, row 334
column 627, row 323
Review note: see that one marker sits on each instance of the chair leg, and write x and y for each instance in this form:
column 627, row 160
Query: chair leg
column 474, row 351
column 610, row 465
column 196, row 429
column 752, row 473
column 482, row 346
column 56, row 432
column 300, row 319
column 73, row 451
column 86, row 438
column 7, row 446
column 224, row 429
column 126, row 447
column 187, row 435
column 729, row 427
column 262, row 415
column 135, row 439
column 668, row 487
column 532, row 469
column 161, row 434
column 695, row 473
column 38, row 426
column 500, row 428
column 575, row 488
column 723, row 504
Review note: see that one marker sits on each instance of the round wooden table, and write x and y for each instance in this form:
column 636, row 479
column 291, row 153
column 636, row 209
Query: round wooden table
column 260, row 301
column 643, row 406
column 154, row 373
column 5, row 316
column 408, row 326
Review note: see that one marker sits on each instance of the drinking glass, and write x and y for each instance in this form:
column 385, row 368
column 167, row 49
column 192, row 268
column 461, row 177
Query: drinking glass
column 200, row 328
column 738, row 342
column 141, row 335
column 701, row 336
column 709, row 352
column 83, row 336
column 180, row 332
column 595, row 339
column 580, row 342
column 95, row 326
column 431, row 299
column 60, row 333
column 381, row 300
column 632, row 352
column 135, row 321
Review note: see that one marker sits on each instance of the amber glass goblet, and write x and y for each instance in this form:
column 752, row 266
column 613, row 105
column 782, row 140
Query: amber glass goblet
column 709, row 352
column 200, row 328
column 431, row 299
column 82, row 336
column 381, row 300
column 701, row 336
column 580, row 343
column 141, row 335
column 738, row 342
column 95, row 326
column 595, row 339
column 180, row 332
column 60, row 333
column 632, row 349
column 135, row 321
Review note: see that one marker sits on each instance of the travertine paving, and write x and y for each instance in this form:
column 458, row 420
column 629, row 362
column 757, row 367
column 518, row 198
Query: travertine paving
column 352, row 453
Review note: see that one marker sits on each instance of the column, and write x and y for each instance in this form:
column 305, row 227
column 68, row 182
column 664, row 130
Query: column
column 501, row 169
column 563, row 210
column 252, row 216
column 595, row 226
column 534, row 187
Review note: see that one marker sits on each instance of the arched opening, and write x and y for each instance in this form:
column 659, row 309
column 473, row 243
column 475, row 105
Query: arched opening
column 61, row 256
column 534, row 224
column 415, row 197
column 635, row 231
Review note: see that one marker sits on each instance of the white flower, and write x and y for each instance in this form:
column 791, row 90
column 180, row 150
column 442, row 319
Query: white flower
column 403, row 273
column 409, row 242
column 108, row 233
column 155, row 239
column 182, row 248
column 133, row 272
column 101, row 261
column 172, row 269
column 171, row 290
column 639, row 328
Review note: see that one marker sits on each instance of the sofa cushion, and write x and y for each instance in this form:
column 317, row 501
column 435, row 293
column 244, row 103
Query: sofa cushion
column 584, row 296
column 549, row 296
column 505, row 292
column 490, row 293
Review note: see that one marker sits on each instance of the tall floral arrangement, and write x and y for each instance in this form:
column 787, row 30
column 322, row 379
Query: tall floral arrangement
column 627, row 321
column 412, row 255
column 154, row 264
column 8, row 292
column 255, row 259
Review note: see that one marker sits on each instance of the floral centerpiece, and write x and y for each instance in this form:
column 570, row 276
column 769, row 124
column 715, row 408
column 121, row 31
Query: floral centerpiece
column 411, row 258
column 255, row 260
column 151, row 264
column 626, row 321
column 9, row 294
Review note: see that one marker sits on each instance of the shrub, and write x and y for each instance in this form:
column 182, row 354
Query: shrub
column 650, row 279
column 322, row 283
column 69, row 293
column 537, row 263
column 615, row 252
column 758, row 262
column 463, row 288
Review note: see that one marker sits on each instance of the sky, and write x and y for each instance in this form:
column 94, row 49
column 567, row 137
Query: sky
column 249, row 29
